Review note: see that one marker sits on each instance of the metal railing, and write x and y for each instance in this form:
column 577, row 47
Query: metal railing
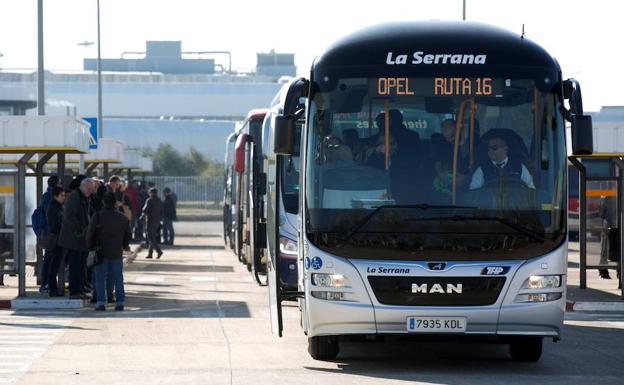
column 200, row 191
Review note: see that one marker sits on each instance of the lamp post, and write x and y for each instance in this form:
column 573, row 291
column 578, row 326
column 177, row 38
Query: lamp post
column 464, row 11
column 99, row 76
column 40, row 73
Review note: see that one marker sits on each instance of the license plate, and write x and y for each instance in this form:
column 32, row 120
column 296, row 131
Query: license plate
column 436, row 324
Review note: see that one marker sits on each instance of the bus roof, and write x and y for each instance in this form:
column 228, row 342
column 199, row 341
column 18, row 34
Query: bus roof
column 450, row 44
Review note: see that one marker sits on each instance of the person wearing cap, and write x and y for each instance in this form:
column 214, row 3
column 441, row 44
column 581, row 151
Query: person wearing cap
column 46, row 199
column 153, row 214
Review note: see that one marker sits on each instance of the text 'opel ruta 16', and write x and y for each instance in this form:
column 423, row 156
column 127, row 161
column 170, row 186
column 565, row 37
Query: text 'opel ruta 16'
column 433, row 188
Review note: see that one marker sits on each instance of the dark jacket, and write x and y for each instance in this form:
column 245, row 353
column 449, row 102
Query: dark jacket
column 511, row 171
column 54, row 217
column 109, row 230
column 153, row 212
column 169, row 208
column 75, row 222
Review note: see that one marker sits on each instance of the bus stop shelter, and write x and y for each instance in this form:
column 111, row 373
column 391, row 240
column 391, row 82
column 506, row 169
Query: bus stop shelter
column 130, row 164
column 600, row 213
column 27, row 143
column 108, row 153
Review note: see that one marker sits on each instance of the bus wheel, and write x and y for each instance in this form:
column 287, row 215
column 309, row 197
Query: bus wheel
column 323, row 347
column 526, row 349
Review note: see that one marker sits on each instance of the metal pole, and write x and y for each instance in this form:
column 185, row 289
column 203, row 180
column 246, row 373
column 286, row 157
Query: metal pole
column 99, row 76
column 60, row 163
column 20, row 223
column 21, row 229
column 464, row 11
column 582, row 220
column 40, row 72
column 619, row 162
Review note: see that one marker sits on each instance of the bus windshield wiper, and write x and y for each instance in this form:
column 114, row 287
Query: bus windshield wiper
column 516, row 226
column 421, row 206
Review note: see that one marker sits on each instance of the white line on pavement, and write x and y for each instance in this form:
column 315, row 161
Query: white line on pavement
column 152, row 279
column 203, row 279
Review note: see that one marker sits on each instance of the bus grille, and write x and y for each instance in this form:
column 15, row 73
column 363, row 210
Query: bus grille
column 425, row 291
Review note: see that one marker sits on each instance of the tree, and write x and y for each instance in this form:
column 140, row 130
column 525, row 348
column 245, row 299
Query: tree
column 168, row 161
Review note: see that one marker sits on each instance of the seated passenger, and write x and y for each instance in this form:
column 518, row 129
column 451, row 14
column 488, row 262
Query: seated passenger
column 404, row 137
column 376, row 156
column 500, row 166
column 443, row 154
column 351, row 139
column 336, row 154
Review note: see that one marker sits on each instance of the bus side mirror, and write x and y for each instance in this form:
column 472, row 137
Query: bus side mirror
column 283, row 142
column 239, row 153
column 582, row 135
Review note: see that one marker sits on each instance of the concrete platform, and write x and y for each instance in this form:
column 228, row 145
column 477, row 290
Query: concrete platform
column 46, row 303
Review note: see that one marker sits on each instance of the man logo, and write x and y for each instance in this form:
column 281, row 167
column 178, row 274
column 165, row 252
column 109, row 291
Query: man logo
column 437, row 288
column 439, row 266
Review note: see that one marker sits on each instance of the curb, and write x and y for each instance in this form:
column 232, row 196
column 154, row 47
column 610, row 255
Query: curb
column 617, row 307
column 61, row 303
column 46, row 304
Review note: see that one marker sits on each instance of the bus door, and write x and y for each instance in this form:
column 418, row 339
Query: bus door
column 273, row 260
column 258, row 226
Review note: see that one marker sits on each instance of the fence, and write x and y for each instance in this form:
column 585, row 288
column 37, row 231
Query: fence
column 199, row 191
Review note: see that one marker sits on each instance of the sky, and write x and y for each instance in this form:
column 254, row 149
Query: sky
column 584, row 36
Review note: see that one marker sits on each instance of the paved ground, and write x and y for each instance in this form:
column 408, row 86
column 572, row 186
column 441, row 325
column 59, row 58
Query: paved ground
column 196, row 317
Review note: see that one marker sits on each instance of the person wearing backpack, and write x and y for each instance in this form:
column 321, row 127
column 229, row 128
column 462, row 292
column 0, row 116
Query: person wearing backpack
column 39, row 224
column 54, row 223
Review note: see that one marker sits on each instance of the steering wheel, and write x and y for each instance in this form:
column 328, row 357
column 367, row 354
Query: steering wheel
column 503, row 193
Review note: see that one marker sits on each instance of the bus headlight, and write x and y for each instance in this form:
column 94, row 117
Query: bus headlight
column 288, row 247
column 543, row 282
column 329, row 280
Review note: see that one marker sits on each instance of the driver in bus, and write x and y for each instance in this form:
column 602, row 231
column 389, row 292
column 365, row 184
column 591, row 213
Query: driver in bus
column 500, row 166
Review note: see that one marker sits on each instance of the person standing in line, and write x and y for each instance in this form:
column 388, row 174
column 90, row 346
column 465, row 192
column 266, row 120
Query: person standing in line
column 73, row 234
column 54, row 216
column 139, row 231
column 109, row 234
column 169, row 216
column 152, row 213
column 132, row 195
column 46, row 199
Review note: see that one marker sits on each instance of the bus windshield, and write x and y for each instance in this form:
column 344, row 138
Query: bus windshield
column 459, row 165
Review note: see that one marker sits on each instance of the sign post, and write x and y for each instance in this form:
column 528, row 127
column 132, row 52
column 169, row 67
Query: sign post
column 93, row 133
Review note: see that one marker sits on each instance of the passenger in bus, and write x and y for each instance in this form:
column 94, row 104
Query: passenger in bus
column 336, row 154
column 443, row 152
column 376, row 156
column 410, row 180
column 500, row 166
column 351, row 139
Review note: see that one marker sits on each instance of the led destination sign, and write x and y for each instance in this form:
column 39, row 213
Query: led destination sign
column 438, row 86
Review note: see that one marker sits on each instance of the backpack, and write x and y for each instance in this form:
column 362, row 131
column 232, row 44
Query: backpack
column 39, row 217
column 39, row 220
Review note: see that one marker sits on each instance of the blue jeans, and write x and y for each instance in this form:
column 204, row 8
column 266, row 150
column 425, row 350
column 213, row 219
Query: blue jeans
column 109, row 268
column 168, row 233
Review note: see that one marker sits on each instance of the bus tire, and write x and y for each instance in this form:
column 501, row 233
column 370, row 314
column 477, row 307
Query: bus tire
column 527, row 349
column 323, row 347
